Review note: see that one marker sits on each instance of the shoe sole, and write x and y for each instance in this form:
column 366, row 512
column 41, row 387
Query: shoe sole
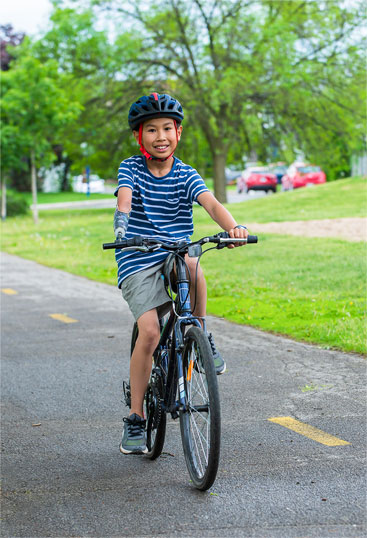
column 222, row 371
column 133, row 452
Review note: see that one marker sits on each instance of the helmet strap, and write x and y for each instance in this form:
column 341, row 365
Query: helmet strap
column 148, row 155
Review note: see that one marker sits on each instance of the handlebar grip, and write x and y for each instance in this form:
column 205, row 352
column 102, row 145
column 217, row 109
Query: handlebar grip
column 252, row 239
column 135, row 241
column 119, row 244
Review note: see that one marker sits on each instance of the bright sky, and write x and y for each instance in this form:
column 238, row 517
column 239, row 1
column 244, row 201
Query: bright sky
column 27, row 16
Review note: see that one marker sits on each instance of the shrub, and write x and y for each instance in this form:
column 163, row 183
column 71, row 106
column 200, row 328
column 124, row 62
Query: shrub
column 16, row 204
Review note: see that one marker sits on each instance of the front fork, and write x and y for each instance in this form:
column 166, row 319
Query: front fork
column 184, row 318
column 181, row 403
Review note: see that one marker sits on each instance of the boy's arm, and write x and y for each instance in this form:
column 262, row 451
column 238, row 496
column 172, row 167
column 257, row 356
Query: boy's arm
column 122, row 212
column 124, row 197
column 222, row 216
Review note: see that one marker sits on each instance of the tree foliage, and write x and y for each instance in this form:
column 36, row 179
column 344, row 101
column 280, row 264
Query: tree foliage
column 264, row 77
column 8, row 39
column 36, row 110
column 99, row 81
column 268, row 75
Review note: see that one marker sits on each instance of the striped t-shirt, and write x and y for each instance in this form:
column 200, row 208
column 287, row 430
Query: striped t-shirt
column 161, row 207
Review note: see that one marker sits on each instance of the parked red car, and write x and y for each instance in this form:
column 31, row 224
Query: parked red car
column 258, row 179
column 302, row 175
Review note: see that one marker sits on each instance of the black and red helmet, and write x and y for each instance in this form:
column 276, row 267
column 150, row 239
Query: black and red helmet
column 154, row 105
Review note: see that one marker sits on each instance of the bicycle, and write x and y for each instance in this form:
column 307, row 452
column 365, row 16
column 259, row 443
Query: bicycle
column 183, row 381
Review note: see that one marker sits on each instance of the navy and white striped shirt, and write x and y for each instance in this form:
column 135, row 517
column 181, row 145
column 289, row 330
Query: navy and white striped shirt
column 161, row 207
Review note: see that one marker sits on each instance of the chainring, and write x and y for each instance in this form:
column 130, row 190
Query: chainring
column 155, row 405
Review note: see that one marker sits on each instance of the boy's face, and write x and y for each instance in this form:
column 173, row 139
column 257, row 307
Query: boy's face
column 159, row 136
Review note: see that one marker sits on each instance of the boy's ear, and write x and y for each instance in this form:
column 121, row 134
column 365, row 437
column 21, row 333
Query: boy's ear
column 136, row 136
column 179, row 132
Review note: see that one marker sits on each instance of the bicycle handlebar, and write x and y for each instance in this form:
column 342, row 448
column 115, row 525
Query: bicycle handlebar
column 149, row 244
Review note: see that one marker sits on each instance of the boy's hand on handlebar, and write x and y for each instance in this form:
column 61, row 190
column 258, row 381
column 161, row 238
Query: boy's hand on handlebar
column 238, row 232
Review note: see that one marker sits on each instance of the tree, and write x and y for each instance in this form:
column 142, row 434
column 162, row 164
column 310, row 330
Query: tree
column 36, row 109
column 252, row 71
column 98, row 81
column 8, row 37
column 263, row 77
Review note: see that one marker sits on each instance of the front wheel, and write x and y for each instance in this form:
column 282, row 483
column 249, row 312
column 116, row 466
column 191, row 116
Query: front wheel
column 200, row 422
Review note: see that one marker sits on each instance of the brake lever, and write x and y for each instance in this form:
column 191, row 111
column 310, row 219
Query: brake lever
column 141, row 249
column 154, row 247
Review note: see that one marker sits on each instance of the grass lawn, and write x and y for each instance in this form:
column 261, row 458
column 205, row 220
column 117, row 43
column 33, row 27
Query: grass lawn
column 57, row 197
column 336, row 199
column 310, row 289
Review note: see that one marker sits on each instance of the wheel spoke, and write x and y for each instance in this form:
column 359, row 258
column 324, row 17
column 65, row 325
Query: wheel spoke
column 197, row 388
column 200, row 422
column 202, row 438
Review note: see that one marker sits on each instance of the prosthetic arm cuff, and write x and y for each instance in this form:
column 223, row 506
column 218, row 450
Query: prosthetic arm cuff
column 120, row 223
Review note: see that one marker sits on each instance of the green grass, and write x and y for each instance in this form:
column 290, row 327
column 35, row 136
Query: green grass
column 307, row 289
column 336, row 199
column 57, row 197
column 313, row 290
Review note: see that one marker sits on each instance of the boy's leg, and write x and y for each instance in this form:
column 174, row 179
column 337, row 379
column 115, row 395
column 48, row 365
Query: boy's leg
column 134, row 439
column 141, row 359
column 201, row 294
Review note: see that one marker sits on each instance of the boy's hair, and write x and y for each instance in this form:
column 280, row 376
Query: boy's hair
column 152, row 106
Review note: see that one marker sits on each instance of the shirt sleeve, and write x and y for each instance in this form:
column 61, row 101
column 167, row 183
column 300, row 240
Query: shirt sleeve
column 195, row 185
column 125, row 177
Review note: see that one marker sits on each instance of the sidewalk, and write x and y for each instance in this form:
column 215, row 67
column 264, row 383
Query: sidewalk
column 232, row 196
column 87, row 204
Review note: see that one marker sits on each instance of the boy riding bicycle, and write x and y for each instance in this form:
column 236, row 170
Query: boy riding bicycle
column 155, row 194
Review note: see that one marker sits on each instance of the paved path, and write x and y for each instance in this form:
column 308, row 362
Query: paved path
column 233, row 198
column 63, row 475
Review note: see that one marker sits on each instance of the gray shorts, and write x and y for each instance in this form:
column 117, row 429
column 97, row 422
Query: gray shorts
column 145, row 290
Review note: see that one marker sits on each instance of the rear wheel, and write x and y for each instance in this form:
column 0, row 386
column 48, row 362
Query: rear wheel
column 154, row 414
column 200, row 422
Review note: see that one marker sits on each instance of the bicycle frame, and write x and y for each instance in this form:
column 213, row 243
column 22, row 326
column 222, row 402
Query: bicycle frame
column 180, row 316
column 184, row 350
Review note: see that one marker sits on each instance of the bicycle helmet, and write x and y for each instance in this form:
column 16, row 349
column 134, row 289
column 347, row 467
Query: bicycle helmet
column 154, row 105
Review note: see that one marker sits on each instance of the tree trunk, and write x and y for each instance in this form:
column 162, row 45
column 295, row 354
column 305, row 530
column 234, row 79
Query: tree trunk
column 219, row 162
column 34, row 187
column 3, row 199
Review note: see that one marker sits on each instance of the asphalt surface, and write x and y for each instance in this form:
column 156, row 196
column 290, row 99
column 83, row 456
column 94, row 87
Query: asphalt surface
column 63, row 475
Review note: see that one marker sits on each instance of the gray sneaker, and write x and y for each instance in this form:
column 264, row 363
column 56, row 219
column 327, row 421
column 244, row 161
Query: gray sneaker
column 220, row 365
column 134, row 439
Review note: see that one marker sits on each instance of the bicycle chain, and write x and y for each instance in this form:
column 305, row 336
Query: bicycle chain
column 156, row 399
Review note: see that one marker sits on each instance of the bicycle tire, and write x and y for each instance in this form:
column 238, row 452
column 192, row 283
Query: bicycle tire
column 156, row 419
column 134, row 336
column 154, row 414
column 200, row 423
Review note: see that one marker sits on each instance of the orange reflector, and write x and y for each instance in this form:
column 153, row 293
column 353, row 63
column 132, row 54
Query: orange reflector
column 189, row 370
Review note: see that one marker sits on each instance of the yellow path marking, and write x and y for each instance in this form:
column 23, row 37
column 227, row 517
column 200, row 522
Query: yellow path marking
column 308, row 431
column 9, row 291
column 63, row 318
